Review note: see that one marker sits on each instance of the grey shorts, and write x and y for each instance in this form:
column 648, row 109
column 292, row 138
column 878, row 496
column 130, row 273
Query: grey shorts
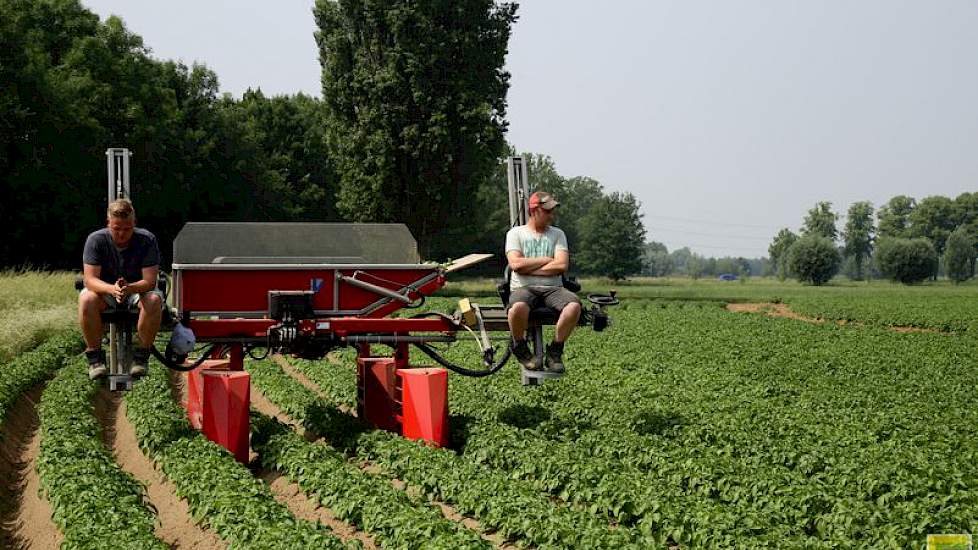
column 555, row 297
column 131, row 300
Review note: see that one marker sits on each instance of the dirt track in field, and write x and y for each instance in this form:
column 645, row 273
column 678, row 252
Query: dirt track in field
column 25, row 517
column 782, row 310
column 175, row 525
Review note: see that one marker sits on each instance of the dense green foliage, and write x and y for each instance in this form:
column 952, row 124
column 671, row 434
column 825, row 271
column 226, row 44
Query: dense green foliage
column 857, row 237
column 907, row 261
column 30, row 368
column 820, row 221
column 514, row 509
column 612, row 237
column 94, row 501
column 813, row 259
column 778, row 251
column 221, row 493
column 74, row 86
column 731, row 430
column 354, row 496
column 959, row 259
column 415, row 98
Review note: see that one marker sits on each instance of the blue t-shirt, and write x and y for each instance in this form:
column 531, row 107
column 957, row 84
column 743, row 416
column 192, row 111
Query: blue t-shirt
column 128, row 263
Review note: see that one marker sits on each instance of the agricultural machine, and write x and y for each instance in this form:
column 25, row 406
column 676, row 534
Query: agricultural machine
column 304, row 289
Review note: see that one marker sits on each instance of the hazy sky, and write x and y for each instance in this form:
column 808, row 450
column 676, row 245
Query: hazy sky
column 726, row 119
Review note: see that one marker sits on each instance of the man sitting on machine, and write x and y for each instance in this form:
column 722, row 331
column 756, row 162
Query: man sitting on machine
column 121, row 266
column 538, row 257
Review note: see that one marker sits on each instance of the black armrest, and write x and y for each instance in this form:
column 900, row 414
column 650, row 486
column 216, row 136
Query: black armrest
column 571, row 284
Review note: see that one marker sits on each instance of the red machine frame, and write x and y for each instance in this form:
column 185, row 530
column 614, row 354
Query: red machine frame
column 392, row 394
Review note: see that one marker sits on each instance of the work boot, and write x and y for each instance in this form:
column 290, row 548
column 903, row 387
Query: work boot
column 523, row 354
column 140, row 362
column 96, row 364
column 554, row 362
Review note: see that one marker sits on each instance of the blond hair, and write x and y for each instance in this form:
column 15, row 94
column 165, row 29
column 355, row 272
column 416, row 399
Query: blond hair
column 121, row 209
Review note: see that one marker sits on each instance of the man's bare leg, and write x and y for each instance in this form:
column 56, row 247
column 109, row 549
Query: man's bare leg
column 90, row 307
column 567, row 321
column 519, row 318
column 150, row 315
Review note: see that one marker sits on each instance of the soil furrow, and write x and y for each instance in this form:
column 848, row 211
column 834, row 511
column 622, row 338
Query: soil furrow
column 25, row 517
column 292, row 495
column 175, row 524
column 448, row 511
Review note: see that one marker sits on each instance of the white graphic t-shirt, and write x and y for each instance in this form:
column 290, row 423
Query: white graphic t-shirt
column 535, row 245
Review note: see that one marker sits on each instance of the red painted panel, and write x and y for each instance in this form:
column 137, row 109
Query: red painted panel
column 425, row 404
column 378, row 383
column 227, row 397
column 247, row 290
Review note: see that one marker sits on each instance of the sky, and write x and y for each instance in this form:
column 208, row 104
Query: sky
column 726, row 119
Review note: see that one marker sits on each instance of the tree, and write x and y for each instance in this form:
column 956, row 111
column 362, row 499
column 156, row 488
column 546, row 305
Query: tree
column 778, row 251
column 933, row 219
column 858, row 236
column 820, row 221
column 813, row 259
column 576, row 195
column 415, row 99
column 908, row 261
column 612, row 237
column 894, row 217
column 657, row 261
column 959, row 258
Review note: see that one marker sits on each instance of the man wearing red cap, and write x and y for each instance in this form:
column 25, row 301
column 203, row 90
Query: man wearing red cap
column 538, row 257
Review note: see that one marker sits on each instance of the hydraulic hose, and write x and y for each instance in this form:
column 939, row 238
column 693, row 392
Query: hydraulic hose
column 177, row 366
column 462, row 370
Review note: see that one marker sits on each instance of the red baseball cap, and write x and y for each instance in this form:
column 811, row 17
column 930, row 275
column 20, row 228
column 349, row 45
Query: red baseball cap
column 542, row 199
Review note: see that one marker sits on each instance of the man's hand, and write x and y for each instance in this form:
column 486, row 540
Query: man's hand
column 120, row 290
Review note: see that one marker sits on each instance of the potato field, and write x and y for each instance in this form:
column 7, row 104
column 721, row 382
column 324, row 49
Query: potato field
column 851, row 423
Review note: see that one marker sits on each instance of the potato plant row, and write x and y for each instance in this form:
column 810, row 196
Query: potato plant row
column 514, row 509
column 221, row 493
column 95, row 503
column 33, row 367
column 367, row 501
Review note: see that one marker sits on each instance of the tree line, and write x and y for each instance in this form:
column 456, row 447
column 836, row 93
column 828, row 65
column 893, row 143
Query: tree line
column 410, row 128
column 909, row 242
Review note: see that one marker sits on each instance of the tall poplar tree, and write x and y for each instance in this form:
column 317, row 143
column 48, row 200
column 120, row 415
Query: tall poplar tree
column 415, row 99
column 858, row 236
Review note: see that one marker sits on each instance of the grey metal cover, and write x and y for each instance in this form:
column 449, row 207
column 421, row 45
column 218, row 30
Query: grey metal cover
column 294, row 243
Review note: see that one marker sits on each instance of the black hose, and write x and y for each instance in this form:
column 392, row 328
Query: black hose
column 177, row 366
column 462, row 370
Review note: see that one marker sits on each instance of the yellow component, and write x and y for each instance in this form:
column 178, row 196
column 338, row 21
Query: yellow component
column 468, row 312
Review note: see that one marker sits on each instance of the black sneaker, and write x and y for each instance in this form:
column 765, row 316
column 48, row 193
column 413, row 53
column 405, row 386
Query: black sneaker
column 96, row 364
column 554, row 362
column 523, row 354
column 140, row 362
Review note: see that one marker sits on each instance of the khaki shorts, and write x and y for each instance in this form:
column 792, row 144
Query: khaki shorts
column 130, row 302
column 554, row 297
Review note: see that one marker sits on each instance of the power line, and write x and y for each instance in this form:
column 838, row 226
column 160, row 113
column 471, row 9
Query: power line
column 715, row 222
column 701, row 234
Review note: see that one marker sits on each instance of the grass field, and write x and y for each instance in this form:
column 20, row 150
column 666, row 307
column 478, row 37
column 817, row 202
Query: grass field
column 33, row 306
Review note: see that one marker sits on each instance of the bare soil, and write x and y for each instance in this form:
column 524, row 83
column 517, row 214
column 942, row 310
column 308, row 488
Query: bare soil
column 175, row 524
column 782, row 310
column 25, row 517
